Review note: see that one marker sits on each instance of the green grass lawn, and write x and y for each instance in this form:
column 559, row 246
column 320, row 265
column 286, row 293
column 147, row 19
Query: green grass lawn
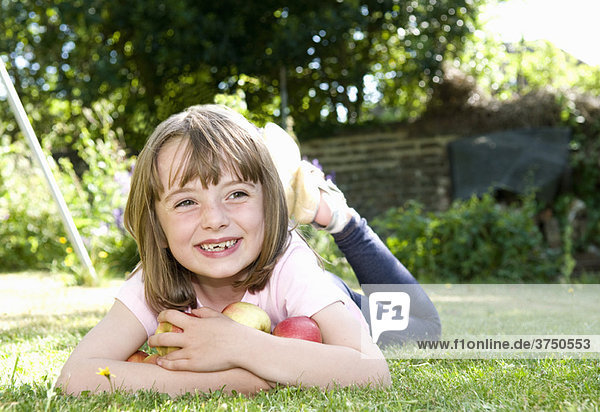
column 41, row 321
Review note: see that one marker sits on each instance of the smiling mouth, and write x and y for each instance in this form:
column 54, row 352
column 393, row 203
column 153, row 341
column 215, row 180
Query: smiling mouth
column 218, row 247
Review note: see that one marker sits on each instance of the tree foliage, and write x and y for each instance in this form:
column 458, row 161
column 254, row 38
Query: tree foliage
column 155, row 57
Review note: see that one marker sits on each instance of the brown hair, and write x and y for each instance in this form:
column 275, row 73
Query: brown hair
column 218, row 140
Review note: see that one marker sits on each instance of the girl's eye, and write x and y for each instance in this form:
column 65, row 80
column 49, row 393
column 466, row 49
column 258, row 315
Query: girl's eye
column 184, row 203
column 238, row 195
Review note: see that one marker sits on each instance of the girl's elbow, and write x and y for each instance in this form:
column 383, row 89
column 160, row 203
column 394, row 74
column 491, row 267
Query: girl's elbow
column 71, row 379
column 65, row 383
column 377, row 376
column 383, row 378
column 386, row 380
column 254, row 388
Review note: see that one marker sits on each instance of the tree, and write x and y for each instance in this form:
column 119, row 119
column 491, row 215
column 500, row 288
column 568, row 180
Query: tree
column 156, row 57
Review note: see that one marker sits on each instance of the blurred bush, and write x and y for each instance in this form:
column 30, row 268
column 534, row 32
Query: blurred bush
column 478, row 240
column 32, row 231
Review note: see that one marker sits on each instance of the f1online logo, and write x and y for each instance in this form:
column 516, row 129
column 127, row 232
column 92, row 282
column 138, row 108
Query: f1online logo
column 388, row 311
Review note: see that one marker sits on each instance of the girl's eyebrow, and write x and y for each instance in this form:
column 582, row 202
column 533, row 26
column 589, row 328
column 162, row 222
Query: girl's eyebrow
column 175, row 192
column 239, row 182
column 232, row 180
column 250, row 186
column 186, row 189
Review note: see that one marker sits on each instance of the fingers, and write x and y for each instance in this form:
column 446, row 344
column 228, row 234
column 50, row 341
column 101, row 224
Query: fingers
column 193, row 360
column 184, row 321
column 173, row 365
column 167, row 339
column 173, row 316
column 180, row 318
column 177, row 360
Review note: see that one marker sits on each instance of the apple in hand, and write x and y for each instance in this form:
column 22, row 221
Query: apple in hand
column 138, row 356
column 168, row 327
column 248, row 314
column 299, row 327
column 151, row 359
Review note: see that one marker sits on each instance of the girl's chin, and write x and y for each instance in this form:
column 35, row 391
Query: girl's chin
column 225, row 276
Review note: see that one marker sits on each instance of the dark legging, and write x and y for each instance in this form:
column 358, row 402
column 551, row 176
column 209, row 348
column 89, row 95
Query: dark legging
column 374, row 264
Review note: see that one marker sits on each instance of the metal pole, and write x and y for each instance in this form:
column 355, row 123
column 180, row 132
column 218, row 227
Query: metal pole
column 27, row 129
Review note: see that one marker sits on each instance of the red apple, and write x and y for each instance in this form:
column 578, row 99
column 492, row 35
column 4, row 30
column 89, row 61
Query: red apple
column 138, row 356
column 248, row 314
column 299, row 327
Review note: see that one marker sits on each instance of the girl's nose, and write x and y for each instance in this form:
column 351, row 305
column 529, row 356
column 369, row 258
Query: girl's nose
column 214, row 216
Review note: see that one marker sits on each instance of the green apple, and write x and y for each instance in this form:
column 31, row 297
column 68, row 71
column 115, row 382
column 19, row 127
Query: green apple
column 248, row 314
column 166, row 327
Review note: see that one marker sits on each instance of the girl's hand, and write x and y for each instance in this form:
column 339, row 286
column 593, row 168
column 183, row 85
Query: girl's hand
column 208, row 341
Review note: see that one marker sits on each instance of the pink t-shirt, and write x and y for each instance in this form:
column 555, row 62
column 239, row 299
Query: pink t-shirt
column 297, row 287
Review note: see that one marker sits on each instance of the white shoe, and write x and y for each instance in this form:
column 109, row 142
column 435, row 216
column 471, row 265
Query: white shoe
column 307, row 194
column 303, row 182
column 311, row 188
column 286, row 155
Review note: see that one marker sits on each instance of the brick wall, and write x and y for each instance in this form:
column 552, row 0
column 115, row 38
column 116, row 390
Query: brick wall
column 378, row 171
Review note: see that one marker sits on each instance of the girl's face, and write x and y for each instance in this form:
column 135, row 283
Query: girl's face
column 214, row 232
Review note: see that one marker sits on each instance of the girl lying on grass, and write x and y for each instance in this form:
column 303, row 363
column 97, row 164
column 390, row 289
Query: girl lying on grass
column 209, row 212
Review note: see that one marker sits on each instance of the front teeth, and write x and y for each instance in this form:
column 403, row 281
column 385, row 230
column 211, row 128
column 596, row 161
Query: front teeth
column 217, row 247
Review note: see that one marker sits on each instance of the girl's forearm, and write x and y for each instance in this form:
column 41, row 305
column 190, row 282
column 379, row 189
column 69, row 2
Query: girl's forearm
column 303, row 363
column 128, row 376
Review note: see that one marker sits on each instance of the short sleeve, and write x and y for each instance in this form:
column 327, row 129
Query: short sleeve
column 304, row 286
column 131, row 294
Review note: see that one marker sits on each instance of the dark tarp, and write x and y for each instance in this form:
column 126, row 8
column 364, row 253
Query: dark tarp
column 513, row 161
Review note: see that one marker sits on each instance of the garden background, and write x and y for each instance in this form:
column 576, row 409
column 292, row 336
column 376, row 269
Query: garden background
column 97, row 76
